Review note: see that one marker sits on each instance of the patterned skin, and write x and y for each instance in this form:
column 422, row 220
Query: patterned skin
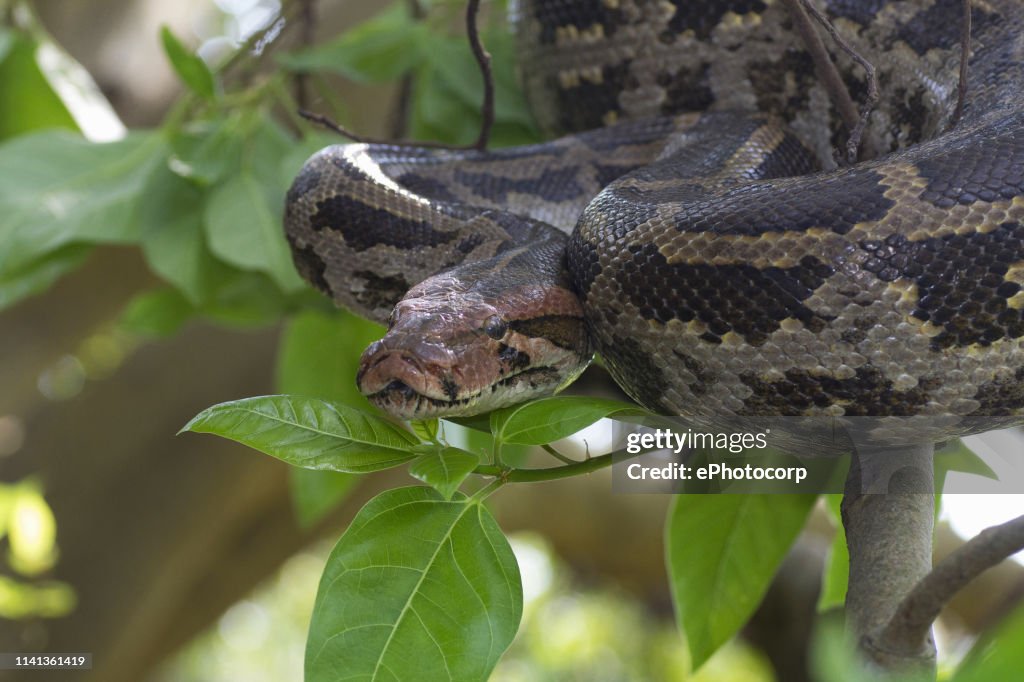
column 727, row 267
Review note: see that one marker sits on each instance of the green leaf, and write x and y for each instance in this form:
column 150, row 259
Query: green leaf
column 458, row 72
column 208, row 151
column 319, row 355
column 956, row 456
column 309, row 433
column 244, row 299
column 418, row 588
column 174, row 242
column 38, row 275
column 172, row 239
column 446, row 104
column 542, row 421
column 58, row 189
column 192, row 70
column 316, row 493
column 376, row 51
column 7, row 38
column 998, row 657
column 29, row 102
column 834, row 657
column 444, row 469
column 721, row 552
column 156, row 313
column 243, row 223
column 837, row 564
column 425, row 429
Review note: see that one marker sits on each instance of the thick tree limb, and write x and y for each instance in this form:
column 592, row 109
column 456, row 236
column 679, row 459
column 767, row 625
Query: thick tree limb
column 914, row 616
column 888, row 513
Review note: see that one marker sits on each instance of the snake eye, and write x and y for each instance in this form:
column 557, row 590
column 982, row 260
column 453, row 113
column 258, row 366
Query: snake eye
column 495, row 327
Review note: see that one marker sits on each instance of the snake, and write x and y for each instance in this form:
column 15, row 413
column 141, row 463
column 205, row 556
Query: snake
column 689, row 223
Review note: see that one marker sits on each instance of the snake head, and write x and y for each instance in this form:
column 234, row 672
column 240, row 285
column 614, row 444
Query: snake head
column 458, row 345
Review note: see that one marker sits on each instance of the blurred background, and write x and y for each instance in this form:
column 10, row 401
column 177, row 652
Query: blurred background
column 192, row 558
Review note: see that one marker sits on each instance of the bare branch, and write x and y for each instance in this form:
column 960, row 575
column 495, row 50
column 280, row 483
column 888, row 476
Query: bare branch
column 830, row 76
column 558, row 455
column 307, row 17
column 487, row 113
column 483, row 59
column 399, row 123
column 965, row 53
column 888, row 510
column 913, row 618
column 827, row 71
column 330, row 124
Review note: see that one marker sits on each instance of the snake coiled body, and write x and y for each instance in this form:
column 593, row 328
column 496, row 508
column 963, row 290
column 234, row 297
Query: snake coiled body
column 719, row 262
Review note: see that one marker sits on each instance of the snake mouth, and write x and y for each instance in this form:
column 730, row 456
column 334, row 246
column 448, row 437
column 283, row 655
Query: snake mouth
column 402, row 400
column 405, row 402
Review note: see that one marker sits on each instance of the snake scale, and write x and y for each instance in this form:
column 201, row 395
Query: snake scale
column 699, row 236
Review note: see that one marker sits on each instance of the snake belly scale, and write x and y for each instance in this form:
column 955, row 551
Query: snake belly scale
column 717, row 260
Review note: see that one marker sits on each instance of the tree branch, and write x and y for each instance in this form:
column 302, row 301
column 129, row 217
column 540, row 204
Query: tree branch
column 483, row 59
column 399, row 124
column 330, row 124
column 919, row 609
column 855, row 123
column 965, row 54
column 558, row 455
column 888, row 513
column 587, row 466
column 826, row 68
column 308, row 19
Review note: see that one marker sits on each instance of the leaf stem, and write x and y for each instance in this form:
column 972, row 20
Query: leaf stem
column 485, row 492
column 513, row 475
column 558, row 455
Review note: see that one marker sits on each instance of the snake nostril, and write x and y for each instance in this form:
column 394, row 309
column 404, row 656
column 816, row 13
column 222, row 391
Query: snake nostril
column 400, row 387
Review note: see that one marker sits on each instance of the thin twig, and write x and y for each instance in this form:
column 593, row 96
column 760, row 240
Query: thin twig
column 965, row 53
column 913, row 618
column 308, row 20
column 399, row 126
column 827, row 71
column 336, row 127
column 587, row 466
column 837, row 90
column 557, row 455
column 483, row 60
